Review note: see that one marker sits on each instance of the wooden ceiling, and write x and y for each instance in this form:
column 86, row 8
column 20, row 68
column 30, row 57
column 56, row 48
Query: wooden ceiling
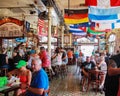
column 74, row 4
column 21, row 9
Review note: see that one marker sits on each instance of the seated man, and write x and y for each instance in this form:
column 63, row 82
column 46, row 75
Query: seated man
column 86, row 66
column 40, row 82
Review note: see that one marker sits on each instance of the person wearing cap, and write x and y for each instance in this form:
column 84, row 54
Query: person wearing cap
column 24, row 74
column 40, row 83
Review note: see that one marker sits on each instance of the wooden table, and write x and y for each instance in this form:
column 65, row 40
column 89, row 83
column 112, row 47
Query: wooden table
column 6, row 89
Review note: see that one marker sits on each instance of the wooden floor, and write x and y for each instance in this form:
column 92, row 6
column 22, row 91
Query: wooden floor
column 69, row 86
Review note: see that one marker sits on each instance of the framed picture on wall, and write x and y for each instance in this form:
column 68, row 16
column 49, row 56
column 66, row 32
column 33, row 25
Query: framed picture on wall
column 67, row 39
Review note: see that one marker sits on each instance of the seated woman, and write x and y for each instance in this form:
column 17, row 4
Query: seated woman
column 24, row 74
column 103, row 67
column 56, row 61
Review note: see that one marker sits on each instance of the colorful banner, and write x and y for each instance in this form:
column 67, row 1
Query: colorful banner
column 103, row 27
column 73, row 16
column 86, row 24
column 42, row 27
column 106, row 11
column 102, row 3
column 76, row 21
column 103, row 17
column 81, row 28
column 74, row 30
column 94, row 33
column 76, row 16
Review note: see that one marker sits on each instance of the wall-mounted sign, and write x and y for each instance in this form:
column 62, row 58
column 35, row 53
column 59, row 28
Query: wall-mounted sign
column 10, row 27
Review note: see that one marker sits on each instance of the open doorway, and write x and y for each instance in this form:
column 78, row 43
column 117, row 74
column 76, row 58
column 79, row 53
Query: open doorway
column 87, row 49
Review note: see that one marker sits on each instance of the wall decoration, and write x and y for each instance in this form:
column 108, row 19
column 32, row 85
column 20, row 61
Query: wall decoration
column 10, row 27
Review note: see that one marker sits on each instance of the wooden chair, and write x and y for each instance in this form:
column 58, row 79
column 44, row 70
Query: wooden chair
column 49, row 72
column 63, row 70
column 94, row 80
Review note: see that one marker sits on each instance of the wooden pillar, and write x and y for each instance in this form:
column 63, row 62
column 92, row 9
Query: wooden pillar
column 49, row 31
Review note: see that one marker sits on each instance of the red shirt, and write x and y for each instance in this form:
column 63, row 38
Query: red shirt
column 44, row 58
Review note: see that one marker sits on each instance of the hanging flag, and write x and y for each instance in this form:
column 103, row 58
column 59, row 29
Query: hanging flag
column 87, row 24
column 76, row 16
column 76, row 21
column 74, row 30
column 81, row 28
column 94, row 33
column 102, row 3
column 73, row 16
column 102, row 27
column 42, row 27
column 106, row 11
column 76, row 11
column 91, row 2
column 115, row 25
column 104, row 17
column 80, row 34
column 115, row 2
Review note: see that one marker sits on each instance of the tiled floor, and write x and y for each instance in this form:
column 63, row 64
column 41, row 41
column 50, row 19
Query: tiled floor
column 69, row 86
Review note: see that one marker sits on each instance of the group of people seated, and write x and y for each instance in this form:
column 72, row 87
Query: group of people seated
column 59, row 60
column 30, row 67
column 33, row 78
column 91, row 66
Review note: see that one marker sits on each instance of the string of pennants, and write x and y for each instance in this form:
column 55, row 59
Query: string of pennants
column 99, row 17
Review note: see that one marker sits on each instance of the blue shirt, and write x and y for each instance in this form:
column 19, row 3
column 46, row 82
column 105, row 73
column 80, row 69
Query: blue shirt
column 39, row 80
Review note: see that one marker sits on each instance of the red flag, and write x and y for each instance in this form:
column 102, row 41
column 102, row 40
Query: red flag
column 115, row 2
column 91, row 2
column 106, row 3
column 83, row 28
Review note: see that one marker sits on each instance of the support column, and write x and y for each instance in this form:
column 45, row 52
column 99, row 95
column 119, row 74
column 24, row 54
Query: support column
column 98, row 44
column 62, row 30
column 0, row 44
column 62, row 37
column 49, row 30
